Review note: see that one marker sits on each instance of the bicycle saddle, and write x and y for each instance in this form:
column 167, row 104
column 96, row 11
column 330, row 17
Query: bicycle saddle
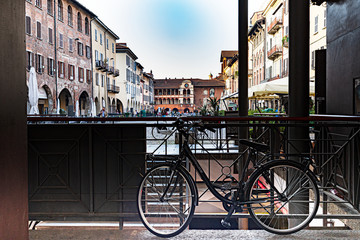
column 258, row 146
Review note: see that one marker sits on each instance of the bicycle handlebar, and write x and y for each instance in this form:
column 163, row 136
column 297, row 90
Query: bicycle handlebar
column 180, row 125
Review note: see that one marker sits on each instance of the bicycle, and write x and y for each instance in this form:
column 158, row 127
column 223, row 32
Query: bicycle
column 281, row 196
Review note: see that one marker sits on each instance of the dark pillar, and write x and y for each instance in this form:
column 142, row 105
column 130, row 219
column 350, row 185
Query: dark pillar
column 299, row 58
column 320, row 81
column 299, row 71
column 243, row 58
column 13, row 130
column 243, row 82
column 299, row 15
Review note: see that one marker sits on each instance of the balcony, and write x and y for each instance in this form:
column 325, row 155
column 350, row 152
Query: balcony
column 100, row 65
column 116, row 73
column 113, row 88
column 274, row 52
column 285, row 41
column 275, row 25
column 111, row 70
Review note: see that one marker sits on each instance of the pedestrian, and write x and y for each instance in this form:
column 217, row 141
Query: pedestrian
column 103, row 112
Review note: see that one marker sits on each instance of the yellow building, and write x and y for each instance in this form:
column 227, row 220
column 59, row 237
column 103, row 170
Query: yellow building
column 317, row 33
column 106, row 87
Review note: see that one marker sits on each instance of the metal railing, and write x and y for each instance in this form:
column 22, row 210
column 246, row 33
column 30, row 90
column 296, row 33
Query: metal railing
column 332, row 143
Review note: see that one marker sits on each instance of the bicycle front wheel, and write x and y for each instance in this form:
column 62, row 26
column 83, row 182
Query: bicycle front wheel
column 166, row 200
column 283, row 197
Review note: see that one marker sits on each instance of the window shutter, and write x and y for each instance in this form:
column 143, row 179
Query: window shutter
column 38, row 24
column 28, row 25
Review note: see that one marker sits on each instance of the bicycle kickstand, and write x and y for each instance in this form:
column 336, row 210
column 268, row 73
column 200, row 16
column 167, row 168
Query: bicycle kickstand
column 226, row 221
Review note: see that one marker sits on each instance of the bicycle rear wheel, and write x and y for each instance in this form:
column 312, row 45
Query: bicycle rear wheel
column 166, row 215
column 284, row 197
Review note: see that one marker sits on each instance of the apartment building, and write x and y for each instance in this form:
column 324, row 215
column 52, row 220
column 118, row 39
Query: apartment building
column 58, row 46
column 148, row 92
column 129, row 79
column 106, row 85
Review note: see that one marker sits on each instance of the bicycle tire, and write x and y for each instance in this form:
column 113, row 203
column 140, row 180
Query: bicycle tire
column 164, row 218
column 294, row 203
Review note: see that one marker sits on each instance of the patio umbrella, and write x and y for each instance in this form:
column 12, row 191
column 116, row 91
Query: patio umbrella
column 93, row 108
column 33, row 92
column 58, row 107
column 77, row 111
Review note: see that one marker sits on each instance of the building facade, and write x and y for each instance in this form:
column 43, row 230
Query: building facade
column 317, row 33
column 129, row 78
column 106, row 85
column 58, row 46
column 185, row 95
column 148, row 92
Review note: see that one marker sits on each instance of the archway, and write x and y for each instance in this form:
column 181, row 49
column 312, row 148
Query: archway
column 119, row 106
column 97, row 105
column 108, row 105
column 186, row 110
column 46, row 103
column 66, row 103
column 175, row 110
column 113, row 106
column 84, row 104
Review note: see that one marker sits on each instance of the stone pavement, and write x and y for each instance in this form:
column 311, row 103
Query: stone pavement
column 111, row 234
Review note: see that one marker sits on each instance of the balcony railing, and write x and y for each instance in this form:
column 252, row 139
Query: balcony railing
column 285, row 41
column 113, row 88
column 274, row 52
column 100, row 65
column 111, row 70
column 116, row 73
column 332, row 146
column 275, row 25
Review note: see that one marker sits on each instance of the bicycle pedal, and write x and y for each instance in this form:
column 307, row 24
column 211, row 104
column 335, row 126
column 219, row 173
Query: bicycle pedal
column 225, row 224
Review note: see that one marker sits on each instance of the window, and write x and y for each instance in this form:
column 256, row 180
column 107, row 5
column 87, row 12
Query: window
column 107, row 43
column 325, row 18
column 38, row 30
column 88, row 52
column 71, row 47
column 51, row 69
column 50, row 36
column 38, row 3
column 61, row 69
column 50, row 7
column 71, row 72
column 61, row 40
column 70, row 16
column 39, row 63
column 28, row 25
column 113, row 47
column 96, row 35
column 96, row 55
column 29, row 60
column 102, row 80
column 79, row 22
column 97, row 78
column 101, row 57
column 313, row 60
column 29, row 1
column 127, row 61
column 87, row 26
column 316, row 24
column 80, row 49
column 88, row 76
column 81, row 74
column 100, row 39
column 60, row 11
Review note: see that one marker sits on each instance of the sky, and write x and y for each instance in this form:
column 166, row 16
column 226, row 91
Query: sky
column 174, row 38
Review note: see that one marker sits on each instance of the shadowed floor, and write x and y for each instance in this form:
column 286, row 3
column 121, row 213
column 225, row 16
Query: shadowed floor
column 110, row 234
